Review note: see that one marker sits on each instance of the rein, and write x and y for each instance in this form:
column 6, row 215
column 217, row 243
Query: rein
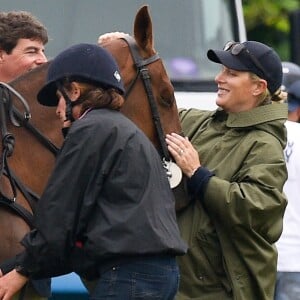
column 143, row 72
column 8, row 141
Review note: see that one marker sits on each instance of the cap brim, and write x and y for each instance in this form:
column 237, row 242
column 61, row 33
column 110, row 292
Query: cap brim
column 227, row 59
column 47, row 95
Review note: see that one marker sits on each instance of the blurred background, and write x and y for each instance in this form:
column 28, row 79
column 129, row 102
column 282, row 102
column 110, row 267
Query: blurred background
column 276, row 23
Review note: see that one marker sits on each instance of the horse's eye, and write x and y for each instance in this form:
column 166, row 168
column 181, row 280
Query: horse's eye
column 168, row 102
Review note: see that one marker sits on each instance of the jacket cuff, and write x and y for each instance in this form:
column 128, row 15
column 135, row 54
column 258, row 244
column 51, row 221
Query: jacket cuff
column 198, row 182
column 8, row 265
column 21, row 270
column 19, row 264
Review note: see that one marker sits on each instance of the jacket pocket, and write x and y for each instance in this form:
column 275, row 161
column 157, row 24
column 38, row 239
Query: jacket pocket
column 209, row 245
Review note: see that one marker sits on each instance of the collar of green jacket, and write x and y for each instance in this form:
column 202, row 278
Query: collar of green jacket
column 269, row 118
column 258, row 115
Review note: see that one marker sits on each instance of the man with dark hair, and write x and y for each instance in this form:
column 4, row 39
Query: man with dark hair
column 22, row 40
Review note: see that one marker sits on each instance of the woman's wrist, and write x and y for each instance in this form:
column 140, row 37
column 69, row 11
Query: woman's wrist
column 198, row 182
column 189, row 175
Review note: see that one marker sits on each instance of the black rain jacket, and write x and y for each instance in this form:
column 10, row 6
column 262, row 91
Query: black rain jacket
column 107, row 198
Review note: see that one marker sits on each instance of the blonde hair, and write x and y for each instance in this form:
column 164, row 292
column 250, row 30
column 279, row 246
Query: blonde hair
column 278, row 96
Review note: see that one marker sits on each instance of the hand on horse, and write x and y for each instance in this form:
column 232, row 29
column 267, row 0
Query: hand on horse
column 10, row 284
column 107, row 37
column 185, row 155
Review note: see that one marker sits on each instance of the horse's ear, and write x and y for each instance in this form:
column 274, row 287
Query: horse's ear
column 143, row 29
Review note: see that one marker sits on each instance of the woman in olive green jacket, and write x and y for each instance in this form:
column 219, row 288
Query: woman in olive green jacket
column 235, row 170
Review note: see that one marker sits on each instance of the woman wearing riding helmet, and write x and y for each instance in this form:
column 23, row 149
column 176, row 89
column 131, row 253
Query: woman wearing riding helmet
column 107, row 212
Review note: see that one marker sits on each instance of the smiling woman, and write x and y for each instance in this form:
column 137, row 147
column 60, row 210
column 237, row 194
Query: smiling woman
column 235, row 171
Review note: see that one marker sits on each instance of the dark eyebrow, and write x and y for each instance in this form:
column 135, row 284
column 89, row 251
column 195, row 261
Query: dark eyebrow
column 33, row 48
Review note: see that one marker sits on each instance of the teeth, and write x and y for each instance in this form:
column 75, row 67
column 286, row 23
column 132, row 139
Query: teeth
column 222, row 91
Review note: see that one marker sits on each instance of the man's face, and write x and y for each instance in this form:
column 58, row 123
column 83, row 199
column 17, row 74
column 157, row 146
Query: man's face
column 27, row 55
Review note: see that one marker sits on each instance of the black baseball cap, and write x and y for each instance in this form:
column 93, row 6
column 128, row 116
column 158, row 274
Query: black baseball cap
column 251, row 56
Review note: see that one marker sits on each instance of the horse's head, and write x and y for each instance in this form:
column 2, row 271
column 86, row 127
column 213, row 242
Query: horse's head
column 132, row 73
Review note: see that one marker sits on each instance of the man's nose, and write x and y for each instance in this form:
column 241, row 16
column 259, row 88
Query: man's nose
column 41, row 59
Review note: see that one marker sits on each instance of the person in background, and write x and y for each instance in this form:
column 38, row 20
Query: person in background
column 291, row 73
column 22, row 48
column 22, row 44
column 288, row 268
column 235, row 169
column 107, row 212
column 294, row 101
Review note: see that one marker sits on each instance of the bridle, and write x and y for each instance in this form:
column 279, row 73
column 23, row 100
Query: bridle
column 8, row 141
column 143, row 72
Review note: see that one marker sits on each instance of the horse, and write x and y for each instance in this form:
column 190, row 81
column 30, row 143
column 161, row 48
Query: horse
column 31, row 133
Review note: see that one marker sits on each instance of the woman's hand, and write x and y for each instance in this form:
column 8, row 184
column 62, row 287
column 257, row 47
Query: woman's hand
column 10, row 284
column 184, row 153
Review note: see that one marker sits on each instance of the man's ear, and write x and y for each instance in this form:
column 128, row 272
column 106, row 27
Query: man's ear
column 1, row 56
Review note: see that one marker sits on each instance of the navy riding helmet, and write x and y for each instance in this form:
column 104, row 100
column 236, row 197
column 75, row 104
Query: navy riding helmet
column 85, row 63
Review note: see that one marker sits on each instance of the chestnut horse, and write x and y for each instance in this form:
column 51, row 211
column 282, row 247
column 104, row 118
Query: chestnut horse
column 29, row 144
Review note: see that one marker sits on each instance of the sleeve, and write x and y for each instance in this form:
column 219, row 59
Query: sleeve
column 253, row 200
column 8, row 265
column 198, row 182
column 48, row 247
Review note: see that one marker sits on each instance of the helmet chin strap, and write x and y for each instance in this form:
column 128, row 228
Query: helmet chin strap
column 69, row 106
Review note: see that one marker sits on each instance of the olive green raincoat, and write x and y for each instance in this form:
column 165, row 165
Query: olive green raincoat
column 232, row 228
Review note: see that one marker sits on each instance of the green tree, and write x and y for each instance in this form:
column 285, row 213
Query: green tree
column 268, row 21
